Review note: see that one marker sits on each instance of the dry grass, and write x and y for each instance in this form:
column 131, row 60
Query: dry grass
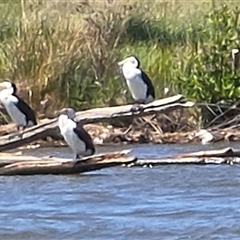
column 69, row 49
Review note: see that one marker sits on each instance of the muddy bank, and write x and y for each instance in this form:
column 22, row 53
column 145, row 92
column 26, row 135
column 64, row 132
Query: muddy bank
column 108, row 135
column 150, row 127
column 175, row 126
column 114, row 135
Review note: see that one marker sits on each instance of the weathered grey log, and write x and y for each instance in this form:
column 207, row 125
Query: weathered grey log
column 189, row 160
column 29, row 165
column 225, row 152
column 49, row 127
column 221, row 156
column 17, row 164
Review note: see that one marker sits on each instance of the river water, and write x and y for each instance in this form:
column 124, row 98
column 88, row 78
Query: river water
column 165, row 202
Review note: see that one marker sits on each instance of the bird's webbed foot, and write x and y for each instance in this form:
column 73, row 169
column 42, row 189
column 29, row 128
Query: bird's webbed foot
column 20, row 135
column 137, row 107
column 20, row 129
column 76, row 157
column 16, row 134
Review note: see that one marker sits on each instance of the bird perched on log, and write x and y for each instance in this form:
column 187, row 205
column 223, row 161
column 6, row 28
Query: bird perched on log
column 138, row 82
column 75, row 135
column 19, row 111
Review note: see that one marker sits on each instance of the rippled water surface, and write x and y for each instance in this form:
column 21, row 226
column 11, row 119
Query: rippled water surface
column 165, row 202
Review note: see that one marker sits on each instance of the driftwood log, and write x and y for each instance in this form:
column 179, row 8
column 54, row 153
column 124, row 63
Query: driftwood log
column 16, row 164
column 221, row 156
column 49, row 127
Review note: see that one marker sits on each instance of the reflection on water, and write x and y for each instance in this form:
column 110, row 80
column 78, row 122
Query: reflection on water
column 165, row 202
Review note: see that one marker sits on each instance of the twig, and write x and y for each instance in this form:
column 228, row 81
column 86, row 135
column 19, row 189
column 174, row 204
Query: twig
column 226, row 123
column 223, row 113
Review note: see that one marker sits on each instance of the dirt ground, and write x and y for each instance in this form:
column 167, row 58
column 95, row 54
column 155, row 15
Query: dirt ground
column 108, row 135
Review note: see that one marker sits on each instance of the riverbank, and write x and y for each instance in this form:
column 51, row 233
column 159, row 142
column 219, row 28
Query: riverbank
column 109, row 135
column 172, row 120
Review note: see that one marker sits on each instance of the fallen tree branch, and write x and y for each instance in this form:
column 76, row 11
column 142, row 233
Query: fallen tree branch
column 222, row 156
column 29, row 165
column 211, row 106
column 50, row 127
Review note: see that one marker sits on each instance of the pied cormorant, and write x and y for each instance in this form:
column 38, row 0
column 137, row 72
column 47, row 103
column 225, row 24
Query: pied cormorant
column 19, row 111
column 75, row 135
column 138, row 82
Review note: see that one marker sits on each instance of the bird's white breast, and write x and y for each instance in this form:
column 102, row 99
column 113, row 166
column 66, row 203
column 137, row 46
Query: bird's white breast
column 16, row 115
column 137, row 86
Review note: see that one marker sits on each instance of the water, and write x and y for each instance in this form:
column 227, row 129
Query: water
column 165, row 202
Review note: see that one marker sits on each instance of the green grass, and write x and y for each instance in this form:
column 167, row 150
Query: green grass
column 70, row 50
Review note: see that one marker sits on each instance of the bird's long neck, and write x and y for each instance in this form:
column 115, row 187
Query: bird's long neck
column 62, row 122
column 9, row 91
column 6, row 92
column 130, row 71
column 65, row 123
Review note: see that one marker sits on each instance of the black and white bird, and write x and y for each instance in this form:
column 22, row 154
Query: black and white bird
column 75, row 136
column 138, row 82
column 19, row 111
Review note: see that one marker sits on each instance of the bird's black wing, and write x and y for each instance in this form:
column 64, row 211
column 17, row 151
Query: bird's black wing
column 26, row 110
column 85, row 137
column 147, row 80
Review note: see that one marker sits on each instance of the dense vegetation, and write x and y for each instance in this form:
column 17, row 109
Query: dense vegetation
column 70, row 49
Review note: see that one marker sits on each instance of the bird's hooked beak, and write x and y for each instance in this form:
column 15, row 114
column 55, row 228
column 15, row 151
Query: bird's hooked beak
column 67, row 111
column 62, row 111
column 122, row 62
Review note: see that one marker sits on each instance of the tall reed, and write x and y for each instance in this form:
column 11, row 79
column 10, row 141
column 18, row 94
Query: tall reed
column 70, row 49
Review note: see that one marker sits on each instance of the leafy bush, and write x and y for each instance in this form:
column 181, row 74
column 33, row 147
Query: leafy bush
column 207, row 75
